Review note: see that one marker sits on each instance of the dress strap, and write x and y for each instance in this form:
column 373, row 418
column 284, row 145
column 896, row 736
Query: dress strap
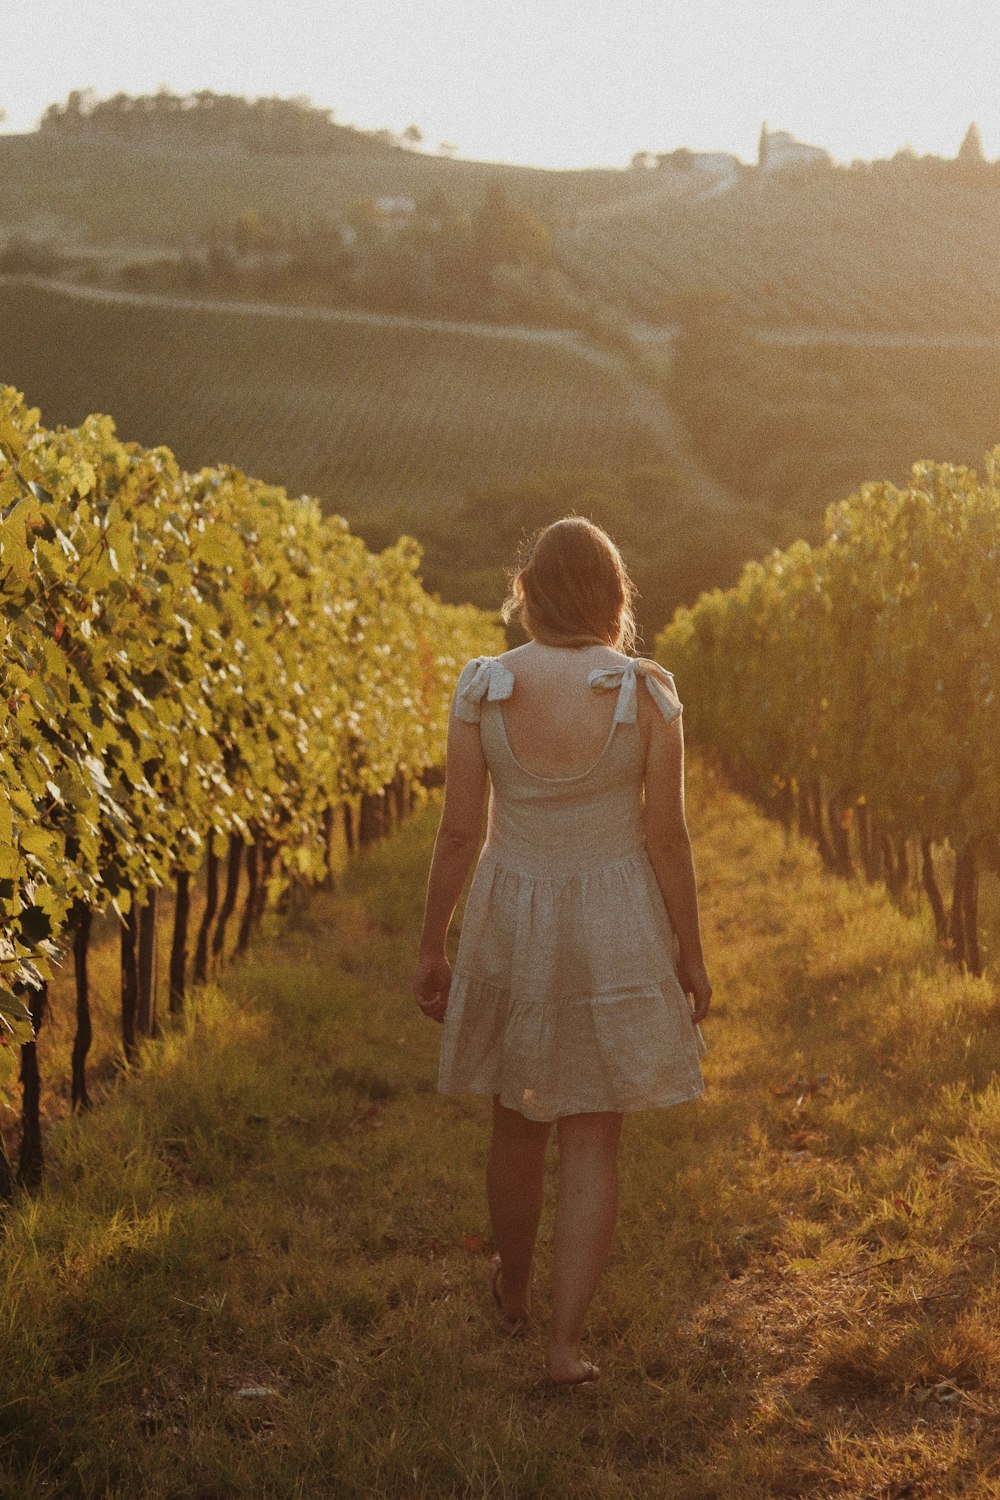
column 484, row 678
column 658, row 680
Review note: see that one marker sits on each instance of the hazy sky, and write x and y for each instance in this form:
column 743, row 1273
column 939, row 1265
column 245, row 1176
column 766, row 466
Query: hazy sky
column 549, row 82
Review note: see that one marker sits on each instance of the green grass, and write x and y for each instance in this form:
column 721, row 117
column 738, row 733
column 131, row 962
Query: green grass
column 362, row 416
column 803, row 1298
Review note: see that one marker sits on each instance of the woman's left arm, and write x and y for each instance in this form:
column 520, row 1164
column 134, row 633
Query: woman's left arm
column 458, row 839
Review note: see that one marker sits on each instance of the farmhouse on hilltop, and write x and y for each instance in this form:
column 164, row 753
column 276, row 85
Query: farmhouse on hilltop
column 779, row 149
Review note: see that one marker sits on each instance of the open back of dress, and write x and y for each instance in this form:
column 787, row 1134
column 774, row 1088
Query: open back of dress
column 565, row 998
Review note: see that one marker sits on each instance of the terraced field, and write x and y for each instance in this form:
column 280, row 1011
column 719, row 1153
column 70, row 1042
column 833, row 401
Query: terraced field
column 363, row 413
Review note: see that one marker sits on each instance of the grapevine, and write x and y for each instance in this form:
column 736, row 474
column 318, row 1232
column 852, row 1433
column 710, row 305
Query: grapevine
column 860, row 679
column 191, row 664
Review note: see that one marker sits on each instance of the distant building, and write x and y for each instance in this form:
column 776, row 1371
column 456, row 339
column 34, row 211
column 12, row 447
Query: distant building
column 683, row 159
column 715, row 163
column 778, row 149
column 395, row 208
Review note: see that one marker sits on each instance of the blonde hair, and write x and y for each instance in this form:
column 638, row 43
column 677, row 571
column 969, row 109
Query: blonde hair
column 574, row 589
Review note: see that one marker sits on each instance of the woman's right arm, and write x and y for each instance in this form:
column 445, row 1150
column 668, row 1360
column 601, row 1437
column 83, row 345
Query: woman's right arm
column 458, row 839
column 668, row 845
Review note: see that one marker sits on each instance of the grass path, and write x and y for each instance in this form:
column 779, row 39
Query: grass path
column 258, row 1268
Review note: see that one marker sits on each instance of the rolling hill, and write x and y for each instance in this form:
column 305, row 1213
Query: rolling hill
column 836, row 323
column 102, row 193
column 901, row 245
column 362, row 412
column 897, row 246
column 464, row 436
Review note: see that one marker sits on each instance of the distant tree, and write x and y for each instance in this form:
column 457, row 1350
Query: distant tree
column 682, row 160
column 250, row 233
column 283, row 126
column 505, row 233
column 642, row 161
column 762, row 145
column 448, row 148
column 72, row 115
column 971, row 149
column 363, row 218
column 166, row 103
column 436, row 205
column 413, row 136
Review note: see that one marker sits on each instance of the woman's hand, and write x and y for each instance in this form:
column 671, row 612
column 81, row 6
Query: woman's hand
column 431, row 984
column 696, row 983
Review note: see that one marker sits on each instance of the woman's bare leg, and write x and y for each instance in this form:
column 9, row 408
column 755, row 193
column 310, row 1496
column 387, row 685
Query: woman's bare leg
column 585, row 1223
column 514, row 1188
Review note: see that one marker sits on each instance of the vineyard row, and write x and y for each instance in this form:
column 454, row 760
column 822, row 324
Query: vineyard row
column 856, row 684
column 195, row 667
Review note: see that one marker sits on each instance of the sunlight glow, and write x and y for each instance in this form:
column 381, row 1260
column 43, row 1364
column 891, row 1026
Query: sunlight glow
column 557, row 83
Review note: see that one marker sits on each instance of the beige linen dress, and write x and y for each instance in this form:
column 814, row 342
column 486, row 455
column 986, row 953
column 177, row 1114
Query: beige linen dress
column 564, row 997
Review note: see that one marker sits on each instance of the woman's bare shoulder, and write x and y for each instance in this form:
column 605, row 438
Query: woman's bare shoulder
column 594, row 655
column 547, row 669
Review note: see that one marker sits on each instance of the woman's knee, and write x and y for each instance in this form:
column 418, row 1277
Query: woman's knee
column 591, row 1134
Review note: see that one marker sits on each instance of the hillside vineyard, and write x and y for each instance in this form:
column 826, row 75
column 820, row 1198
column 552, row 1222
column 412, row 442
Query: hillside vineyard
column 191, row 663
column 862, row 677
column 361, row 415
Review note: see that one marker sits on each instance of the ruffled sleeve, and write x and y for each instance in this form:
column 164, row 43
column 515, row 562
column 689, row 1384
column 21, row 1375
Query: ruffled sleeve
column 658, row 680
column 484, row 678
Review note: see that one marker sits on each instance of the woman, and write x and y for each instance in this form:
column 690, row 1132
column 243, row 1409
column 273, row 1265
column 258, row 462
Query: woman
column 580, row 941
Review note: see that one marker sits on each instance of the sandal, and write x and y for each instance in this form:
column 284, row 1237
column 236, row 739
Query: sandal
column 504, row 1322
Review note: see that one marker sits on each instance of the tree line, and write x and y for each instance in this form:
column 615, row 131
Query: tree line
column 288, row 126
column 423, row 256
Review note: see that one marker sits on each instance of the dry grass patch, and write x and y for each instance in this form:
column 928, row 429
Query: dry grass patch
column 258, row 1268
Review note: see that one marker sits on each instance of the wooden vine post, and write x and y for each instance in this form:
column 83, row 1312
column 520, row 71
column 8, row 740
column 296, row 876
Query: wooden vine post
column 178, row 945
column 130, row 981
column 6, row 1175
column 208, row 915
column 233, row 868
column 933, row 890
column 147, row 966
column 29, row 1167
column 82, row 920
column 253, row 863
